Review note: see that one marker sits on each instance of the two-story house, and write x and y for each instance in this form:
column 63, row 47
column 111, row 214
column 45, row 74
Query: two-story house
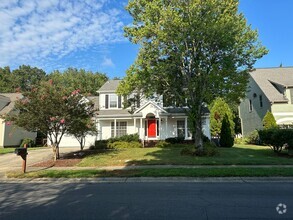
column 269, row 89
column 150, row 119
column 11, row 135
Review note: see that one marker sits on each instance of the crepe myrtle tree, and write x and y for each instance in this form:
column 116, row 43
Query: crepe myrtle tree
column 51, row 110
column 191, row 50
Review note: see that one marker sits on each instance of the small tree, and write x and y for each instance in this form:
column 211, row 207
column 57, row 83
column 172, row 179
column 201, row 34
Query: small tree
column 51, row 110
column 226, row 139
column 269, row 121
column 219, row 108
column 81, row 127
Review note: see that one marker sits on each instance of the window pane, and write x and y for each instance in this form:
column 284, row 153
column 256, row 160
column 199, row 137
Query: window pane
column 181, row 128
column 113, row 101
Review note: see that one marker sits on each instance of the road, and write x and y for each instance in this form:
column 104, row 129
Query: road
column 81, row 199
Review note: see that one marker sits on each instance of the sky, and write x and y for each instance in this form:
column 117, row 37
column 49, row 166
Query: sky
column 88, row 34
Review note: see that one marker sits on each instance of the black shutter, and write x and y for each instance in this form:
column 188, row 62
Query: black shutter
column 107, row 101
column 119, row 101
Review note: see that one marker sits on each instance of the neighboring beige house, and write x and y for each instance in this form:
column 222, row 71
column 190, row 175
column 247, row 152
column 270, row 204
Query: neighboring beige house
column 11, row 135
column 269, row 89
column 150, row 119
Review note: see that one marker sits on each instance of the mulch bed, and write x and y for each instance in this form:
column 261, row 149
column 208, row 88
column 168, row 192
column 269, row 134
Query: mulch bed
column 67, row 160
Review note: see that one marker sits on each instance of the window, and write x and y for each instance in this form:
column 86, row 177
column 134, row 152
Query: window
column 113, row 99
column 260, row 101
column 250, row 105
column 180, row 128
column 121, row 129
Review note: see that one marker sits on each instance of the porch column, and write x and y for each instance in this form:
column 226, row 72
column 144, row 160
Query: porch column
column 141, row 133
column 159, row 128
column 115, row 128
column 134, row 123
column 185, row 127
column 166, row 132
column 100, row 130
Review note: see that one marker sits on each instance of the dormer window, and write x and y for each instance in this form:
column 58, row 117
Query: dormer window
column 112, row 101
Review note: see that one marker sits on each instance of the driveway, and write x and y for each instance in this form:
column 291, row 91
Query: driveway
column 13, row 162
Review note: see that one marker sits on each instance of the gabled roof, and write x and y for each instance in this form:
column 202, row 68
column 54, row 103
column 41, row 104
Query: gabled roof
column 110, row 86
column 150, row 103
column 11, row 97
column 268, row 78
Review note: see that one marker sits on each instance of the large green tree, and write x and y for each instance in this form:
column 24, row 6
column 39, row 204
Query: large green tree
column 21, row 79
column 191, row 49
column 52, row 110
column 86, row 81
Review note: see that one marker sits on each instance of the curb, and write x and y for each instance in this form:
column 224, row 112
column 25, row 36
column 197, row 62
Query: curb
column 151, row 180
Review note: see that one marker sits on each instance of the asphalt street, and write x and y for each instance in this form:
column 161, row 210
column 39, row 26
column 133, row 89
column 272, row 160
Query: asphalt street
column 73, row 199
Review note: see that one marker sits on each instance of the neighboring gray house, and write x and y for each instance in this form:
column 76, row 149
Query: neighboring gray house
column 269, row 89
column 11, row 135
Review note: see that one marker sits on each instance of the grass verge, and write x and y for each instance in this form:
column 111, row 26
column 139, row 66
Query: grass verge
column 12, row 149
column 159, row 172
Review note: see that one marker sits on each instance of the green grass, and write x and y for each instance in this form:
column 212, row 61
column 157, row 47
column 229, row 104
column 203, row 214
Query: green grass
column 11, row 149
column 238, row 155
column 6, row 150
column 160, row 172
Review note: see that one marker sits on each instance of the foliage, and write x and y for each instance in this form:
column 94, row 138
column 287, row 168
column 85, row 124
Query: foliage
column 28, row 141
column 192, row 51
column 226, row 137
column 51, row 110
column 253, row 138
column 21, row 79
column 125, row 138
column 277, row 138
column 72, row 78
column 124, row 144
column 269, row 121
column 218, row 110
column 162, row 144
column 101, row 144
column 209, row 150
column 175, row 140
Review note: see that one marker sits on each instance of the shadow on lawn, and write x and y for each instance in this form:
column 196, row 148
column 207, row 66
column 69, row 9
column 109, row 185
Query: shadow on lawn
column 259, row 155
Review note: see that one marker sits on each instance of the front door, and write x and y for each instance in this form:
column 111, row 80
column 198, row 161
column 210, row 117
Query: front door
column 152, row 128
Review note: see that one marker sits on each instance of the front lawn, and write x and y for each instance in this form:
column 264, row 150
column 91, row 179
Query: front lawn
column 238, row 155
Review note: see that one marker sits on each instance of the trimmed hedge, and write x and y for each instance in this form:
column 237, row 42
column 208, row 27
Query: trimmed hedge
column 277, row 138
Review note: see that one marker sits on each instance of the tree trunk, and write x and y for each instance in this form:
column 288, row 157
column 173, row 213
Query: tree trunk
column 54, row 152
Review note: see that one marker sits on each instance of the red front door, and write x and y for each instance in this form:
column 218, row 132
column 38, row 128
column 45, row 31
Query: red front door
column 152, row 128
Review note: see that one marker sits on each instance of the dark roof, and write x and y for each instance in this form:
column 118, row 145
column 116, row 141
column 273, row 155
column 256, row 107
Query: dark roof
column 175, row 110
column 114, row 113
column 10, row 98
column 267, row 77
column 110, row 86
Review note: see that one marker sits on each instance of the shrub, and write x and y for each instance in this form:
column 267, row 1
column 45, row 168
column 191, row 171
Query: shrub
column 124, row 144
column 125, row 138
column 277, row 138
column 175, row 140
column 253, row 138
column 187, row 151
column 209, row 150
column 102, row 144
column 269, row 121
column 226, row 138
column 28, row 141
column 162, row 144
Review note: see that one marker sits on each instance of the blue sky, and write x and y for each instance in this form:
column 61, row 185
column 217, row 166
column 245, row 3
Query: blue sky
column 57, row 34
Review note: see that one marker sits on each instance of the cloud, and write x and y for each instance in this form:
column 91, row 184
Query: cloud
column 34, row 30
column 107, row 62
